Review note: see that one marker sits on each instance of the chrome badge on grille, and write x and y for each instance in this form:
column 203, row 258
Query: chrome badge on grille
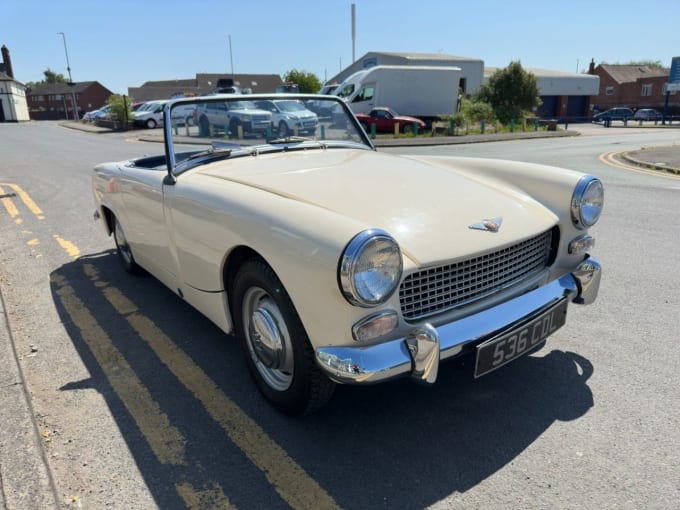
column 492, row 225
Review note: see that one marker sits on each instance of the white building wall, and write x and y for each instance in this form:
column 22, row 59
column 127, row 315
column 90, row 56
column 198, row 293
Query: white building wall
column 14, row 104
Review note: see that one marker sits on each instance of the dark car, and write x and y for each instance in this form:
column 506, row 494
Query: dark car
column 647, row 114
column 385, row 120
column 623, row 114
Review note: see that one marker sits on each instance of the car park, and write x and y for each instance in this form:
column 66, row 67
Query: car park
column 331, row 262
column 622, row 114
column 387, row 120
column 290, row 116
column 150, row 114
column 647, row 114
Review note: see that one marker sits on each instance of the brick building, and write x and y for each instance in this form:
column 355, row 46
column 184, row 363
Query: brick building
column 632, row 86
column 54, row 101
column 203, row 84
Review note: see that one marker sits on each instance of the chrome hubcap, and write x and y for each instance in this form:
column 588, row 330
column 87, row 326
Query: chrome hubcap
column 121, row 241
column 268, row 339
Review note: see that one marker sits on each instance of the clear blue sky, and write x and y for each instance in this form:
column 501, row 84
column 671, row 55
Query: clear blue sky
column 125, row 43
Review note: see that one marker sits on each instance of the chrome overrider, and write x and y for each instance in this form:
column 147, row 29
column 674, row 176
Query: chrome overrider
column 418, row 354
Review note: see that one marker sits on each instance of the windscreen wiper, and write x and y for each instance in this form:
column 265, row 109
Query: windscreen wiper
column 211, row 154
column 291, row 139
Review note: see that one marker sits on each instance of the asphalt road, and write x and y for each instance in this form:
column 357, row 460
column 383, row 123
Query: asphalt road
column 139, row 402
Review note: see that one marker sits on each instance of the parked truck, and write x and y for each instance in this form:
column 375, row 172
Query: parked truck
column 426, row 92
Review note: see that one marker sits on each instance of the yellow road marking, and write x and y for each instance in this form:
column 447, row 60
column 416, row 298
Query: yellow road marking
column 287, row 477
column 165, row 440
column 32, row 206
column 11, row 208
column 9, row 205
column 610, row 159
column 205, row 499
column 68, row 246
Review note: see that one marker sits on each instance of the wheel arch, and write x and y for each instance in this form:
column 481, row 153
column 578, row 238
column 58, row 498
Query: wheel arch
column 108, row 217
column 238, row 256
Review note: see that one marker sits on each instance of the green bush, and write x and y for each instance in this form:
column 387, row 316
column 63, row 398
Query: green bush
column 121, row 109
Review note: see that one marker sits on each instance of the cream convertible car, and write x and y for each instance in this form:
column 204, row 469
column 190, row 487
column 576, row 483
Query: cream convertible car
column 334, row 263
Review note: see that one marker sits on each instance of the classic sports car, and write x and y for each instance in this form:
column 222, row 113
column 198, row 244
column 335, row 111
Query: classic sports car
column 334, row 263
column 385, row 120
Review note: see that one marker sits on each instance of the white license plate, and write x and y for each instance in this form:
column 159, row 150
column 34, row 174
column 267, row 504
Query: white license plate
column 498, row 351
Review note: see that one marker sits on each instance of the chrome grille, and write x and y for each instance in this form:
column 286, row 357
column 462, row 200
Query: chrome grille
column 437, row 289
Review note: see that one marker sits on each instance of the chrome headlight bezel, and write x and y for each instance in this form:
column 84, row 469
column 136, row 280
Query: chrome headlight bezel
column 372, row 287
column 587, row 202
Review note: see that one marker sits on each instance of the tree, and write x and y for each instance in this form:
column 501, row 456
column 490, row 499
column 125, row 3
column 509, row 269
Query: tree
column 50, row 77
column 308, row 82
column 512, row 92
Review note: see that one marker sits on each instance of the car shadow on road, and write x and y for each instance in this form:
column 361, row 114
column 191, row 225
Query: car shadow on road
column 394, row 445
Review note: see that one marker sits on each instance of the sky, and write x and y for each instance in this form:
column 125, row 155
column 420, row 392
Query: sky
column 125, row 43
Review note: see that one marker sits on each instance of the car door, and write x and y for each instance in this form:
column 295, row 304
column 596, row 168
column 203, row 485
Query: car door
column 144, row 221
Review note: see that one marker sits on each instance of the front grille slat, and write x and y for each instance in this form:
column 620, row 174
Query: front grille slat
column 442, row 288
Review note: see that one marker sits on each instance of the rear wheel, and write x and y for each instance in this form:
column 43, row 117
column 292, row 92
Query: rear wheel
column 283, row 129
column 123, row 249
column 277, row 350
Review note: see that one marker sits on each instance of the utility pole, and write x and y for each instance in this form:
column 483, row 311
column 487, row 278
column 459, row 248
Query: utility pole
column 231, row 58
column 70, row 80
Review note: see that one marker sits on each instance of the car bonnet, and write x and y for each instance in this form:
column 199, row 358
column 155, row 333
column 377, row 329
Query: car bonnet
column 430, row 210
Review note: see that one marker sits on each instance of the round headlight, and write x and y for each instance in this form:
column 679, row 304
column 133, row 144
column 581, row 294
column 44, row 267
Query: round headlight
column 587, row 202
column 370, row 268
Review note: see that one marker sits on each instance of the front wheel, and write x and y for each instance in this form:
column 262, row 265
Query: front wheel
column 278, row 353
column 150, row 123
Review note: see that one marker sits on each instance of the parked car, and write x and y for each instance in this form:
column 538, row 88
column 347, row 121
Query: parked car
column 150, row 114
column 290, row 116
column 231, row 117
column 647, row 114
column 184, row 115
column 102, row 113
column 385, row 120
column 623, row 114
column 332, row 263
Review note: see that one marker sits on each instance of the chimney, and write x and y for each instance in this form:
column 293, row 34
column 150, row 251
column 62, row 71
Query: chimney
column 7, row 61
column 591, row 67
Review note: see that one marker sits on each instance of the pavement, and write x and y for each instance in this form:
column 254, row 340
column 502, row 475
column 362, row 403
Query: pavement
column 25, row 477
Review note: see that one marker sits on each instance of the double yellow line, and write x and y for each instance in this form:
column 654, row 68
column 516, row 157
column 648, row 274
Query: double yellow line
column 167, row 442
column 6, row 198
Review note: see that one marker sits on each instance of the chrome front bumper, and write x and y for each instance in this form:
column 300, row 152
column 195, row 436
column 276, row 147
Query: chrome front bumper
column 419, row 353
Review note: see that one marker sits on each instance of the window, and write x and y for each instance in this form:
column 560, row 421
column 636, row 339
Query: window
column 609, row 90
column 646, row 89
column 365, row 94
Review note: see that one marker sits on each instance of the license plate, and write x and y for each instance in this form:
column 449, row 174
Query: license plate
column 498, row 351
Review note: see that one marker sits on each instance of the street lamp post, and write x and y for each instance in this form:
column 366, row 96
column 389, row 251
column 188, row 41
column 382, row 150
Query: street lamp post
column 70, row 80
